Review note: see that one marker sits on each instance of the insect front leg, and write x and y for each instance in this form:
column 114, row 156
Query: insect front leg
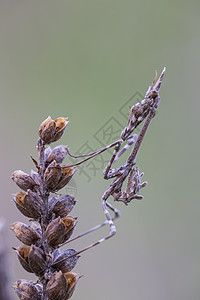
column 130, row 141
column 107, row 169
column 132, row 189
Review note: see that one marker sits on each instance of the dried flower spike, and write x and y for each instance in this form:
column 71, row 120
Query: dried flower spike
column 52, row 226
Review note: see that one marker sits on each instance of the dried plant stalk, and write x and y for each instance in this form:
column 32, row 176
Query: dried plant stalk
column 50, row 225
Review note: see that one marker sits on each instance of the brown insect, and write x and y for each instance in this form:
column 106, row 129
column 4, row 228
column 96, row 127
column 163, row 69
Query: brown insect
column 144, row 110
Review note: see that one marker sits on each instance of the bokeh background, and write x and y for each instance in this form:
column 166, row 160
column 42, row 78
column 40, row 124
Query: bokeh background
column 86, row 59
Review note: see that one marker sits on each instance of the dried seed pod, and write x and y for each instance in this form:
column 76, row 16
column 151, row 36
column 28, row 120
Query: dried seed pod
column 60, row 230
column 61, row 124
column 51, row 131
column 70, row 224
column 57, row 287
column 19, row 201
column 52, row 175
column 22, row 253
column 36, row 260
column 72, row 279
column 33, row 203
column 62, row 206
column 25, row 233
column 58, row 154
column 47, row 130
column 55, row 231
column 23, row 180
column 67, row 173
column 28, row 290
column 63, row 264
column 29, row 204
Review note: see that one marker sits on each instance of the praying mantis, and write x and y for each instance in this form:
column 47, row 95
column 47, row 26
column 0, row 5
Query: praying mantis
column 144, row 110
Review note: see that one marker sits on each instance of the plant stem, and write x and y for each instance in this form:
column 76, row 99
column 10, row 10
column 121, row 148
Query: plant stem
column 44, row 217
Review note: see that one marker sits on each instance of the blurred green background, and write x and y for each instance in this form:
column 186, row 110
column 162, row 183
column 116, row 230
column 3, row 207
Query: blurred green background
column 85, row 59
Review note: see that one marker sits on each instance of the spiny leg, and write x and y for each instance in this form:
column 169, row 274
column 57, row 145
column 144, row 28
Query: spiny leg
column 107, row 168
column 109, row 221
column 111, row 173
column 116, row 215
column 117, row 145
column 132, row 189
column 130, row 141
column 108, row 217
